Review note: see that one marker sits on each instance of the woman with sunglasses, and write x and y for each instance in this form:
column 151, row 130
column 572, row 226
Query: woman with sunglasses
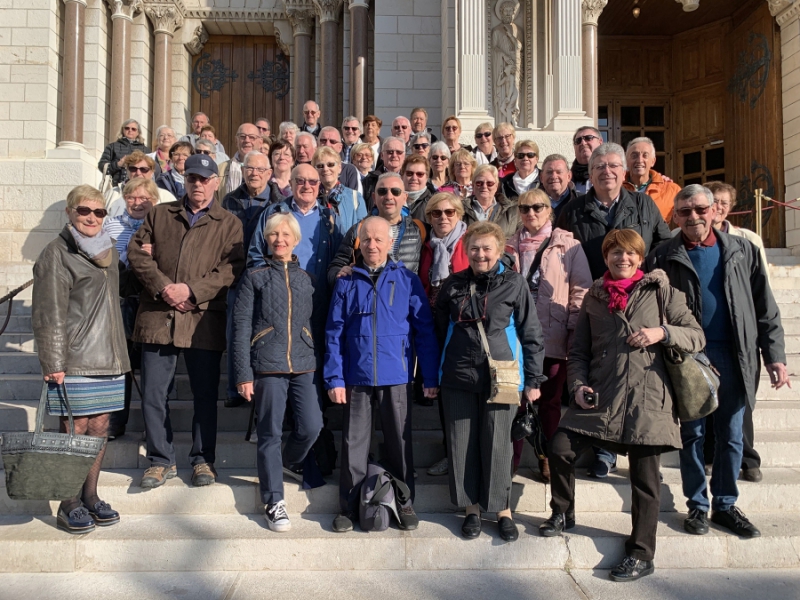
column 347, row 203
column 138, row 165
column 557, row 272
column 487, row 203
column 484, row 150
column 451, row 132
column 479, row 432
column 461, row 169
column 526, row 176
column 172, row 180
column 130, row 139
column 440, row 163
column 421, row 144
column 77, row 326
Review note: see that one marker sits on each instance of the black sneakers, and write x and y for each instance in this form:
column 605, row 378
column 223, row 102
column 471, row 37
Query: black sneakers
column 344, row 522
column 557, row 523
column 697, row 522
column 734, row 520
column 631, row 569
column 408, row 519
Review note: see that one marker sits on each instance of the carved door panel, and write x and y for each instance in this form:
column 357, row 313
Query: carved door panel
column 754, row 123
column 237, row 79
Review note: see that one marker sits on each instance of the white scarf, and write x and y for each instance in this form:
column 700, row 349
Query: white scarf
column 523, row 185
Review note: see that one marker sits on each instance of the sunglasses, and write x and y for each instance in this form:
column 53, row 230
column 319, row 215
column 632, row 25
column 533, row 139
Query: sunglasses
column 417, row 174
column 326, row 141
column 300, row 182
column 687, row 211
column 206, row 152
column 521, row 155
column 448, row 212
column 537, row 208
column 394, row 152
column 396, row 192
column 142, row 170
column 481, row 183
column 195, row 178
column 350, row 128
column 485, row 134
column 437, row 157
column 584, row 138
column 330, row 165
column 421, row 146
column 262, row 128
column 131, row 129
column 464, row 302
column 84, row 211
column 451, row 128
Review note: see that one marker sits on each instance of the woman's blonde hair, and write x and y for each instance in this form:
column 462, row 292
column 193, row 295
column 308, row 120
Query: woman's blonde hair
column 325, row 152
column 461, row 155
column 536, row 196
column 441, row 197
column 482, row 229
column 526, row 144
column 84, row 192
column 362, row 147
column 491, row 169
column 627, row 239
column 140, row 182
column 276, row 219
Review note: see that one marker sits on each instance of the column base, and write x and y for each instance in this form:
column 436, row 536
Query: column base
column 69, row 150
column 569, row 121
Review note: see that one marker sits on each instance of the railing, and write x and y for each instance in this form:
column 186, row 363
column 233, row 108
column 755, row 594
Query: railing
column 9, row 297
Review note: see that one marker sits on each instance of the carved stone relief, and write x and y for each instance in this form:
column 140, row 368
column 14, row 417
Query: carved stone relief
column 506, row 65
column 199, row 39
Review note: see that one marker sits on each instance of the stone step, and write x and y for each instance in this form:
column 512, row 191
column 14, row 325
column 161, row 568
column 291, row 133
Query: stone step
column 17, row 342
column 26, row 363
column 783, row 260
column 784, row 271
column 237, row 492
column 778, row 252
column 153, row 543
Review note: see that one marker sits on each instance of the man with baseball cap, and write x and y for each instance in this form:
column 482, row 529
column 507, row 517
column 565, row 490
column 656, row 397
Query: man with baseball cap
column 186, row 255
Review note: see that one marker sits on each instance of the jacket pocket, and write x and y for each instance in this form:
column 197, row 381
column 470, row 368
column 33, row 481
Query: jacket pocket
column 403, row 352
column 260, row 335
column 307, row 338
column 391, row 294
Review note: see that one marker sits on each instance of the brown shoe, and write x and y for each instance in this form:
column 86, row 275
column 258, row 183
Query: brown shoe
column 544, row 469
column 204, row 474
column 157, row 475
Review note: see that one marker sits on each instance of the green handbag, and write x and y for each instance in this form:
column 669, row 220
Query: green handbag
column 43, row 465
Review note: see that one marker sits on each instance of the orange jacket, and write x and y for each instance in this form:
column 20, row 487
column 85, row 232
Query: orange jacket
column 662, row 193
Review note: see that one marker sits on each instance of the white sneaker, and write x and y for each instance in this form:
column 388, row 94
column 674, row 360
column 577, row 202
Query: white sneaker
column 277, row 517
column 440, row 468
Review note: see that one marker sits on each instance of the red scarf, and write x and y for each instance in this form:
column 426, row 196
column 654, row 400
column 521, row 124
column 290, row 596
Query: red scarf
column 618, row 290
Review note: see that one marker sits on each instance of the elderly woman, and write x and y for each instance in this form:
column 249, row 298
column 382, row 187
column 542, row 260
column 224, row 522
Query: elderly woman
column 362, row 158
column 488, row 204
column 557, row 272
column 372, row 135
column 617, row 355
column 78, row 331
column 504, row 136
column 484, row 150
column 172, row 180
column 526, row 176
column 207, row 147
column 165, row 137
column 421, row 143
column 209, row 134
column 130, row 139
column 281, row 157
column 487, row 300
column 274, row 362
column 348, row 203
column 461, row 169
column 440, row 163
column 451, row 132
column 287, row 131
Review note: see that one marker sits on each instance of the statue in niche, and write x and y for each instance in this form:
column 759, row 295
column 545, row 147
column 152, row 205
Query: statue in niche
column 506, row 62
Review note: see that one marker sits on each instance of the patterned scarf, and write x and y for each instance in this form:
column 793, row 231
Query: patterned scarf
column 618, row 290
column 529, row 245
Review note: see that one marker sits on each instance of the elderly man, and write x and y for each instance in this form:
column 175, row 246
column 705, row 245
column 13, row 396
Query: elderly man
column 264, row 128
column 195, row 254
column 641, row 158
column 137, row 164
column 287, row 131
column 362, row 371
column 349, row 177
column 419, row 123
column 585, row 141
column 556, row 181
column 505, row 138
column 393, row 152
column 311, row 115
column 401, row 128
column 351, row 135
column 248, row 139
column 414, row 172
column 726, row 287
column 199, row 120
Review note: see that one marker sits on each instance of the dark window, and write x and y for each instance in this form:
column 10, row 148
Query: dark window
column 627, row 136
column 659, row 166
column 692, row 163
column 654, row 116
column 717, row 177
column 715, row 159
column 658, row 139
column 692, row 181
column 630, row 116
column 604, row 135
column 602, row 116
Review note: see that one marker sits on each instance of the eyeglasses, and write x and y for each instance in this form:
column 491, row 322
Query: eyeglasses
column 452, row 128
column 464, row 302
column 394, row 152
column 324, row 141
column 84, row 211
column 505, row 137
column 396, row 192
column 346, row 128
column 400, row 127
column 259, row 170
column 485, row 134
column 482, row 183
column 688, row 210
column 537, row 208
column 530, row 155
column 417, row 174
column 135, row 199
column 249, row 138
column 610, row 166
column 300, row 182
column 462, row 165
column 448, row 212
column 206, row 152
column 131, row 128
column 142, row 170
column 421, row 146
column 330, row 165
column 584, row 138
column 310, row 112
column 437, row 157
column 195, row 178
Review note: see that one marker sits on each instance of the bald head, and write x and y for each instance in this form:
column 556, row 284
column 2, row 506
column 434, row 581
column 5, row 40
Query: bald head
column 375, row 241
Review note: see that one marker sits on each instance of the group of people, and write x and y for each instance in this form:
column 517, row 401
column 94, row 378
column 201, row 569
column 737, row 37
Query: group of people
column 336, row 275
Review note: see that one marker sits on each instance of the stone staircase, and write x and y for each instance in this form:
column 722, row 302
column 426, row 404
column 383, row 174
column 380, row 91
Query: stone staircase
column 178, row 528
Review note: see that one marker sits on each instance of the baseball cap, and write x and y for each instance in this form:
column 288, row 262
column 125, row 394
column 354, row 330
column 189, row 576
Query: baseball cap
column 200, row 164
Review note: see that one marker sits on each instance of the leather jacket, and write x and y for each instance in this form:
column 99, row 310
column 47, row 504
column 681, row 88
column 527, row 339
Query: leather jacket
column 76, row 317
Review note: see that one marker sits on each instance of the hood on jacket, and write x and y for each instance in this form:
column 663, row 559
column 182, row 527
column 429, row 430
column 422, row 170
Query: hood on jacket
column 656, row 276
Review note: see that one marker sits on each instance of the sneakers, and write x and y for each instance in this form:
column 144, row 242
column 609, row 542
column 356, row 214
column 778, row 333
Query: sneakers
column 407, row 518
column 439, row 468
column 277, row 517
column 203, row 474
column 102, row 514
column 557, row 523
column 734, row 520
column 631, row 569
column 157, row 475
column 78, row 521
column 697, row 522
column 600, row 469
column 294, row 472
column 753, row 474
column 344, row 522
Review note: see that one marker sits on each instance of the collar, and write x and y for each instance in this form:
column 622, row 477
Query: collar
column 709, row 242
column 189, row 208
column 605, row 208
column 264, row 195
column 296, row 208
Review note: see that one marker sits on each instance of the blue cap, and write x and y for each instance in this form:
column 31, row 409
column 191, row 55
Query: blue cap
column 200, row 164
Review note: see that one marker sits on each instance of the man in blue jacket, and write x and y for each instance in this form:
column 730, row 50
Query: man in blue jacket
column 378, row 318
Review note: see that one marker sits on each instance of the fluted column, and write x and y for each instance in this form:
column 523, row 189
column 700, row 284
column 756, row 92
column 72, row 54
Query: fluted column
column 328, row 11
column 166, row 19
column 122, row 20
column 568, row 77
column 358, row 57
column 590, row 12
column 72, row 86
column 472, row 99
column 302, row 20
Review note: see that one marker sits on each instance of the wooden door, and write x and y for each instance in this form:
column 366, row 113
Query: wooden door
column 754, row 119
column 237, row 79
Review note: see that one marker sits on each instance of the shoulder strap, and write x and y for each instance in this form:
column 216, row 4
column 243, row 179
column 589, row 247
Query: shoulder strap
column 355, row 200
column 476, row 312
column 423, row 232
column 662, row 313
column 356, row 242
column 537, row 259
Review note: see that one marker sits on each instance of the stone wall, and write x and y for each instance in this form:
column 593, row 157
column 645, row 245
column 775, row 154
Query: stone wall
column 790, row 66
column 97, row 76
column 142, row 46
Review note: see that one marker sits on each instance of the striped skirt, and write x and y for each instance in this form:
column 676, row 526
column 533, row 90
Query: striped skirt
column 87, row 395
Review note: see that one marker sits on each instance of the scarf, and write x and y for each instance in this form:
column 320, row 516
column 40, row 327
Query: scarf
column 523, row 184
column 443, row 253
column 529, row 245
column 618, row 290
column 177, row 177
column 97, row 248
column 163, row 161
column 414, row 196
column 234, row 174
column 580, row 173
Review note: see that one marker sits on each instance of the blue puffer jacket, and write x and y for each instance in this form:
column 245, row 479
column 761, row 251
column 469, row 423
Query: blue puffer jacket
column 272, row 322
column 374, row 329
column 167, row 182
column 347, row 203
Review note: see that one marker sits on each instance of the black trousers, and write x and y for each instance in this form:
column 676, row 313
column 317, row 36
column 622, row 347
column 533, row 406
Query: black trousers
column 644, row 467
column 750, row 457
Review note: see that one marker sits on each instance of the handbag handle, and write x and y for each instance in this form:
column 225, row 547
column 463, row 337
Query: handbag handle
column 662, row 313
column 481, row 331
column 43, row 408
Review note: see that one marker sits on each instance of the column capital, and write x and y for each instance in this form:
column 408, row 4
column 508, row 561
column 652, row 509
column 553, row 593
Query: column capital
column 358, row 4
column 199, row 39
column 784, row 11
column 591, row 11
column 302, row 20
column 328, row 10
column 165, row 16
column 83, row 2
column 125, row 9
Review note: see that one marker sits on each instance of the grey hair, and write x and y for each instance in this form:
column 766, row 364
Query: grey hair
column 351, row 118
column 606, row 149
column 555, row 158
column 265, row 119
column 641, row 140
column 392, row 138
column 389, row 175
column 139, row 135
column 692, row 190
column 588, row 128
column 441, row 147
column 303, row 134
column 254, row 153
column 417, row 136
column 287, row 126
column 207, row 144
column 363, row 226
column 162, row 128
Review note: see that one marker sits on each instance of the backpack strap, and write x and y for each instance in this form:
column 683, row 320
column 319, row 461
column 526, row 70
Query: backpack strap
column 423, row 231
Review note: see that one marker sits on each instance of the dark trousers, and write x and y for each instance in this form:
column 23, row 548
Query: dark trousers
column 271, row 394
column 751, row 459
column 158, row 368
column 644, row 466
column 118, row 420
column 394, row 407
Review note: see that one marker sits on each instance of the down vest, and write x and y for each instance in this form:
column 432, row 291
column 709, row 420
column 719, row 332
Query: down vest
column 272, row 322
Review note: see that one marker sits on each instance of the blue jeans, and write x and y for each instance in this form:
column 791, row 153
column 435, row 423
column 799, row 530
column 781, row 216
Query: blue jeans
column 727, row 425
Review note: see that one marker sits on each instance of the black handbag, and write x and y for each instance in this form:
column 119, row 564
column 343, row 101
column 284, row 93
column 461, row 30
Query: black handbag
column 528, row 426
column 43, row 465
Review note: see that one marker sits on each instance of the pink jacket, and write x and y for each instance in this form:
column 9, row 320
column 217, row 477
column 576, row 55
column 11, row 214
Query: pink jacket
column 565, row 280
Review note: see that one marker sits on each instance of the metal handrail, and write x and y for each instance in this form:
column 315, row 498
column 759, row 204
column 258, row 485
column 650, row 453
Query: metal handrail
column 9, row 297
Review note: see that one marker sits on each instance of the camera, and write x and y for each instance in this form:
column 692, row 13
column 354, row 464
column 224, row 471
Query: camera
column 590, row 398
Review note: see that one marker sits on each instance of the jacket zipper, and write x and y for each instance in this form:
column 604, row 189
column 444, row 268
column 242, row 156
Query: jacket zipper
column 289, row 290
column 260, row 334
column 375, row 335
column 391, row 296
column 113, row 326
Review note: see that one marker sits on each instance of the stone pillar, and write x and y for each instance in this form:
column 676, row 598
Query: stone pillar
column 166, row 19
column 471, row 54
column 359, row 41
column 72, row 86
column 122, row 20
column 568, row 99
column 328, row 11
column 302, row 20
column 590, row 12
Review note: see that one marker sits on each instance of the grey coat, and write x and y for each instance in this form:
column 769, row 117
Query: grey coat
column 755, row 318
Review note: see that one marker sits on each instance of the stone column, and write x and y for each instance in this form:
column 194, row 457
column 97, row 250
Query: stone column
column 122, row 20
column 358, row 57
column 568, row 98
column 302, row 20
column 471, row 55
column 590, row 12
column 72, row 86
column 166, row 19
column 328, row 11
